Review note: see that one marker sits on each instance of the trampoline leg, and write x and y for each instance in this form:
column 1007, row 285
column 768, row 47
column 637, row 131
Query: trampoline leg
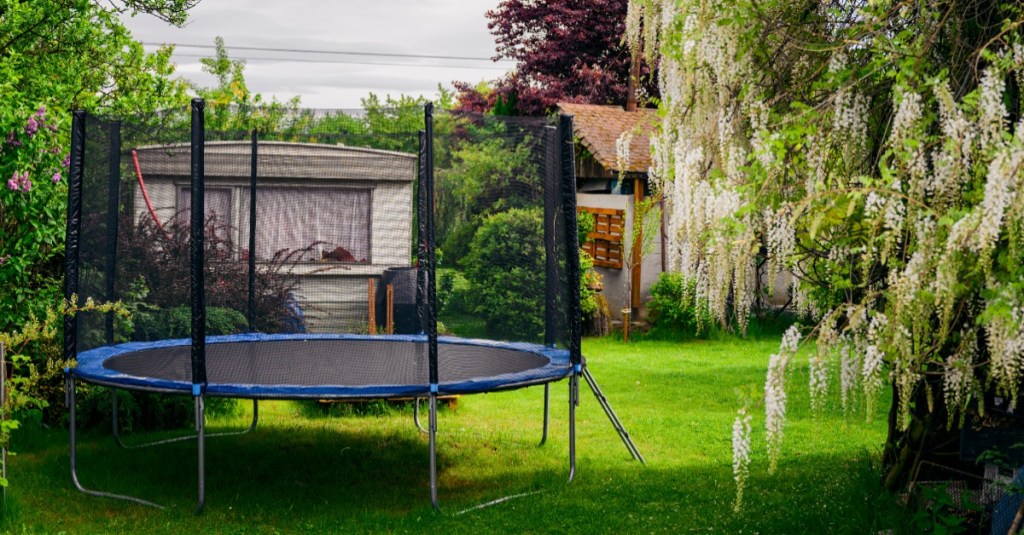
column 547, row 413
column 69, row 399
column 432, row 425
column 201, row 446
column 119, row 442
column 612, row 417
column 416, row 414
column 574, row 400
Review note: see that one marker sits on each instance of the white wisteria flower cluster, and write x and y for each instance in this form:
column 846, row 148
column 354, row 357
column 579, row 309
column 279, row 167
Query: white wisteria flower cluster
column 895, row 201
column 741, row 429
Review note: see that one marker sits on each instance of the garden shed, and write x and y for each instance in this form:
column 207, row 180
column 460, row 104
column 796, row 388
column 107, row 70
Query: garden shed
column 344, row 213
column 609, row 194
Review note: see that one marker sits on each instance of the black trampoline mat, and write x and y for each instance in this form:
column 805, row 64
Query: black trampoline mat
column 343, row 363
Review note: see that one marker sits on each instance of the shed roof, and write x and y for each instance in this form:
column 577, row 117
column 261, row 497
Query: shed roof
column 599, row 126
column 279, row 159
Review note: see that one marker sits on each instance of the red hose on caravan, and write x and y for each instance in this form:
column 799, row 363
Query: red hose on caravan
column 145, row 195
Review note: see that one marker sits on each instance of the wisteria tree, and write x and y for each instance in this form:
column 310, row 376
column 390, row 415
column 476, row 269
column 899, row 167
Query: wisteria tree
column 875, row 150
column 567, row 50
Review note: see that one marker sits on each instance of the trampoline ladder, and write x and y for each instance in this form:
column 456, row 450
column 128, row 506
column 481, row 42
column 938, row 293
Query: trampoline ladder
column 616, row 423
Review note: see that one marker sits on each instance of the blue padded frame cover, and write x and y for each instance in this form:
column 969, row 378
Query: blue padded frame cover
column 90, row 368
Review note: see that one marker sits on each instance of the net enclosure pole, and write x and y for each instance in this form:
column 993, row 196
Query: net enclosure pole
column 196, row 251
column 552, row 197
column 113, row 199
column 572, row 246
column 72, row 238
column 431, row 296
column 198, row 290
column 572, row 263
column 253, row 171
column 421, row 234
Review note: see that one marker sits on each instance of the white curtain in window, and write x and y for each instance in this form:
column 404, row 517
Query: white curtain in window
column 218, row 208
column 322, row 219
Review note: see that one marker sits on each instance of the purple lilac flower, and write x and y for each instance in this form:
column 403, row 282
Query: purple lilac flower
column 19, row 182
column 41, row 112
column 56, row 177
column 4, row 258
column 67, row 161
column 32, row 127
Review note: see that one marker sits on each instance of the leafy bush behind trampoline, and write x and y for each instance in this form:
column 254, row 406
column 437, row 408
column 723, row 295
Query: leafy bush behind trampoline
column 161, row 257
column 154, row 279
column 505, row 267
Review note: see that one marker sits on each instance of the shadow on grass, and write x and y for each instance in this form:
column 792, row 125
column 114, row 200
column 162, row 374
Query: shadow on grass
column 819, row 495
column 300, row 470
column 268, row 466
column 337, row 480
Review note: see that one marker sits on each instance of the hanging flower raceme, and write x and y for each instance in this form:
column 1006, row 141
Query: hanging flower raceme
column 775, row 394
column 740, row 454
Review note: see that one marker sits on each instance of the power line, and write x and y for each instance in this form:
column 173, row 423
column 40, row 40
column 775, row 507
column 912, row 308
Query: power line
column 337, row 61
column 321, row 51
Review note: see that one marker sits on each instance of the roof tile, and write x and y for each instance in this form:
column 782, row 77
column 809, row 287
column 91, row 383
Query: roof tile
column 599, row 126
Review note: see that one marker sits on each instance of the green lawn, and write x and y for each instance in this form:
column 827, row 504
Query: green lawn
column 303, row 471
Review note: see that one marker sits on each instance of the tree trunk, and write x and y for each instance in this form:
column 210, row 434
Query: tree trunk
column 926, row 438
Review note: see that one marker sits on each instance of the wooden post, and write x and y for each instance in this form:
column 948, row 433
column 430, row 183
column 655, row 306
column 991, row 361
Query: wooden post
column 372, row 327
column 625, row 325
column 391, row 309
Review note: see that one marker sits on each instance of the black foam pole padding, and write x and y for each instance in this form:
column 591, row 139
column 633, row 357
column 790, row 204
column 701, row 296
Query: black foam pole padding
column 421, row 234
column 552, row 197
column 253, row 171
column 196, row 244
column 572, row 254
column 73, row 230
column 113, row 200
column 428, row 116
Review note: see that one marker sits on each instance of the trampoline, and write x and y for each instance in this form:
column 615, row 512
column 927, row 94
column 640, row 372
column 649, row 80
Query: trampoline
column 259, row 366
column 292, row 240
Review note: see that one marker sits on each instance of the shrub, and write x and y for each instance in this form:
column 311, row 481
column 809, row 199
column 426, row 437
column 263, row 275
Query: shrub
column 177, row 323
column 143, row 411
column 452, row 292
column 674, row 311
column 505, row 271
column 162, row 256
column 32, row 196
column 35, row 354
column 589, row 277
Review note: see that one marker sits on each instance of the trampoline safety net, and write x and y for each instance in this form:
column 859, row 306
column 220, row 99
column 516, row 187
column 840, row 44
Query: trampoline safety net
column 225, row 221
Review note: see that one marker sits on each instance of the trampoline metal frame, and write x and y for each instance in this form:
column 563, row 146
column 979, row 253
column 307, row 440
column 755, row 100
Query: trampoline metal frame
column 425, row 294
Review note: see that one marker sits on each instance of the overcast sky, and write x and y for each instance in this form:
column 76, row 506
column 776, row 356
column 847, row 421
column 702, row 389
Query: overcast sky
column 417, row 27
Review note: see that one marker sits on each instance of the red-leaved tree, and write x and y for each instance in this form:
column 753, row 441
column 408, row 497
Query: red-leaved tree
column 567, row 51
